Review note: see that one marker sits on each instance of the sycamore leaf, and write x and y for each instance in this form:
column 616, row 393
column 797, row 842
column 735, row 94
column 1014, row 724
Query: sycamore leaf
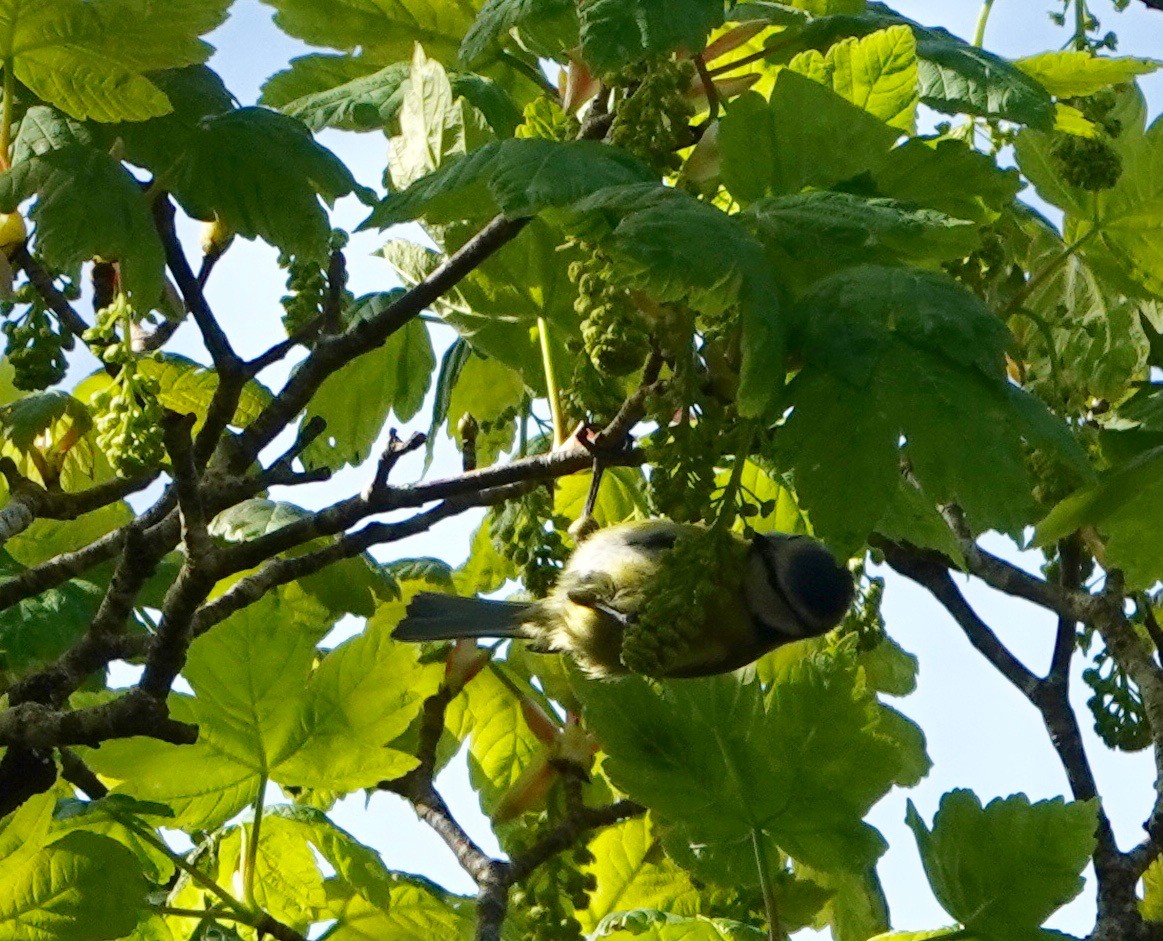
column 955, row 76
column 946, row 175
column 896, row 353
column 355, row 399
column 651, row 925
column 632, row 872
column 500, row 743
column 497, row 306
column 877, row 73
column 81, row 887
column 857, row 908
column 107, row 816
column 621, row 497
column 617, row 33
column 519, row 177
column 490, row 392
column 1124, row 507
column 1002, row 870
column 46, row 538
column 257, row 170
column 814, row 233
column 350, row 93
column 1074, row 74
column 90, row 59
column 87, row 204
column 806, row 135
column 39, row 629
column 342, row 92
column 385, row 30
column 800, row 763
column 264, row 713
column 498, row 17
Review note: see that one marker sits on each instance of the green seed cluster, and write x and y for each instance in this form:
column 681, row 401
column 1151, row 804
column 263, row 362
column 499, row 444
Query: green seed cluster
column 702, row 566
column 306, row 289
column 1116, row 704
column 35, row 349
column 613, row 331
column 550, row 897
column 1088, row 163
column 545, row 901
column 129, row 415
column 529, row 533
column 683, row 457
column 544, row 118
column 652, row 120
column 590, row 395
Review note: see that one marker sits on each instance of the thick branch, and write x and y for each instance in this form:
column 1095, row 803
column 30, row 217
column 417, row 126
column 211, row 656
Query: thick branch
column 34, row 725
column 43, row 282
column 30, row 501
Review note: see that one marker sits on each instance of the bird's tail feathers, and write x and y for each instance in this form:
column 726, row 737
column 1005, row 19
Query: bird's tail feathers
column 434, row 616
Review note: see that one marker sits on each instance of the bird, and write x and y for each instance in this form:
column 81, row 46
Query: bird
column 791, row 588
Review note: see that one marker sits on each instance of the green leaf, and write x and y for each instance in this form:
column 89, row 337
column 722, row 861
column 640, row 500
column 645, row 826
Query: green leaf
column 47, row 538
column 806, row 135
column 363, row 694
column 1151, row 905
column 617, row 33
column 501, row 745
column 87, row 204
column 892, row 353
column 498, row 17
column 264, row 711
column 90, row 60
column 1074, row 74
column 633, row 872
column 341, row 92
column 287, row 882
column 947, row 175
column 39, row 629
column 723, row 757
column 621, row 496
column 350, row 93
column 911, row 516
column 82, row 887
column 355, row 399
column 1077, row 338
column 815, row 233
column 650, row 925
column 258, row 171
column 490, row 392
column 1124, row 506
column 857, row 908
column 955, row 76
column 877, row 73
column 519, row 177
column 1002, row 870
column 385, row 30
column 106, row 816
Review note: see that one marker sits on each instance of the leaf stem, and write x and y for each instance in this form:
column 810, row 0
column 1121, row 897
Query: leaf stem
column 742, row 450
column 195, row 874
column 1080, row 21
column 770, row 903
column 8, row 115
column 1046, row 272
column 982, row 20
column 552, row 389
column 251, row 859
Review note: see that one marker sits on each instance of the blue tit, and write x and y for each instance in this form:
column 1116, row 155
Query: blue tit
column 792, row 589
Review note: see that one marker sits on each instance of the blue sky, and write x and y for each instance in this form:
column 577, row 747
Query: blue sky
column 982, row 734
